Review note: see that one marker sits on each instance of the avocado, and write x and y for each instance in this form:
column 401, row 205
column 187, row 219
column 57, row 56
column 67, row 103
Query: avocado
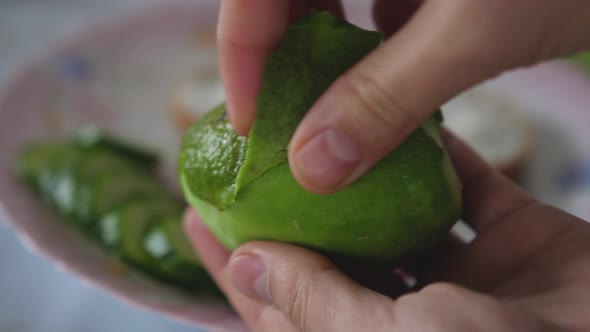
column 244, row 190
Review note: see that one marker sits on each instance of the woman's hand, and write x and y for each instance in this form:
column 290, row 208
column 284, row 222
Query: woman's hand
column 527, row 270
column 440, row 48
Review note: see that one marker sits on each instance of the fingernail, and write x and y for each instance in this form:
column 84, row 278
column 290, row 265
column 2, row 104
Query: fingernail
column 250, row 277
column 327, row 159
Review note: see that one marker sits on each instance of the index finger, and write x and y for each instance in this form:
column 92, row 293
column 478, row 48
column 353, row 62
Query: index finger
column 248, row 31
column 215, row 258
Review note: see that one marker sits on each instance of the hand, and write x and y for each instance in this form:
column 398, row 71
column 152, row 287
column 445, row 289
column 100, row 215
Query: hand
column 440, row 49
column 527, row 270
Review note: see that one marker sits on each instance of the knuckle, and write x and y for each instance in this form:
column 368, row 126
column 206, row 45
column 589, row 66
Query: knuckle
column 414, row 305
column 299, row 304
column 292, row 295
column 378, row 102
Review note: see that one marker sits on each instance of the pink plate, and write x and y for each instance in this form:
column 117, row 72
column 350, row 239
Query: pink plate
column 119, row 76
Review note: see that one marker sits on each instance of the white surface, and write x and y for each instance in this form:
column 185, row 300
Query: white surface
column 34, row 296
column 494, row 126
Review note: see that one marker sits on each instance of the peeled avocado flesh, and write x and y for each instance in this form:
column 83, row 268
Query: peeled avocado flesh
column 244, row 190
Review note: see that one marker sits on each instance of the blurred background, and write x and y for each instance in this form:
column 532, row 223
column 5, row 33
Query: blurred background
column 531, row 146
column 34, row 296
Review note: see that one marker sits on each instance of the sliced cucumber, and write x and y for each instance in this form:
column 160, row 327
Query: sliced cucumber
column 157, row 244
column 167, row 244
column 57, row 181
column 116, row 190
column 176, row 261
column 91, row 136
column 112, row 190
column 107, row 189
column 34, row 159
column 168, row 237
column 170, row 264
column 124, row 229
column 97, row 165
column 100, row 162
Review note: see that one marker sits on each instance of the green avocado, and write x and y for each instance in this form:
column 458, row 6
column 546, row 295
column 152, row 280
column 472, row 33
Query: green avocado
column 244, row 190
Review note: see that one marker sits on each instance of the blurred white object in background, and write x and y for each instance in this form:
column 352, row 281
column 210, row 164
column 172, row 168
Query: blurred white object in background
column 196, row 94
column 494, row 126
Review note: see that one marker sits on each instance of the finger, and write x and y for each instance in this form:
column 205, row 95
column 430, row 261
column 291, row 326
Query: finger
column 369, row 110
column 499, row 252
column 447, row 307
column 213, row 255
column 391, row 16
column 248, row 31
column 488, row 196
column 215, row 258
column 306, row 288
column 511, row 225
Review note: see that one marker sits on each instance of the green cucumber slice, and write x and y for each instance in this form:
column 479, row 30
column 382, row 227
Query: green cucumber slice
column 124, row 229
column 100, row 162
column 91, row 136
column 97, row 165
column 57, row 180
column 114, row 199
column 176, row 260
column 34, row 159
column 168, row 237
column 113, row 190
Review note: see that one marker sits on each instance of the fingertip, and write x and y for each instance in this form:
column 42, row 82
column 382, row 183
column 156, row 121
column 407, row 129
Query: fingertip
column 248, row 31
column 312, row 187
column 241, row 73
column 326, row 162
column 239, row 120
column 249, row 275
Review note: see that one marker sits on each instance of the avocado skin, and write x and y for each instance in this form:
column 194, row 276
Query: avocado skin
column 402, row 205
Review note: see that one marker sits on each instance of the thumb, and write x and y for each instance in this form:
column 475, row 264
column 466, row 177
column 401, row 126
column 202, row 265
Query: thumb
column 308, row 289
column 369, row 110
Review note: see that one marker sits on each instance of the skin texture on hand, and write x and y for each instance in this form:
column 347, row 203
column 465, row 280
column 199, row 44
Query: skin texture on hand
column 435, row 50
column 527, row 270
